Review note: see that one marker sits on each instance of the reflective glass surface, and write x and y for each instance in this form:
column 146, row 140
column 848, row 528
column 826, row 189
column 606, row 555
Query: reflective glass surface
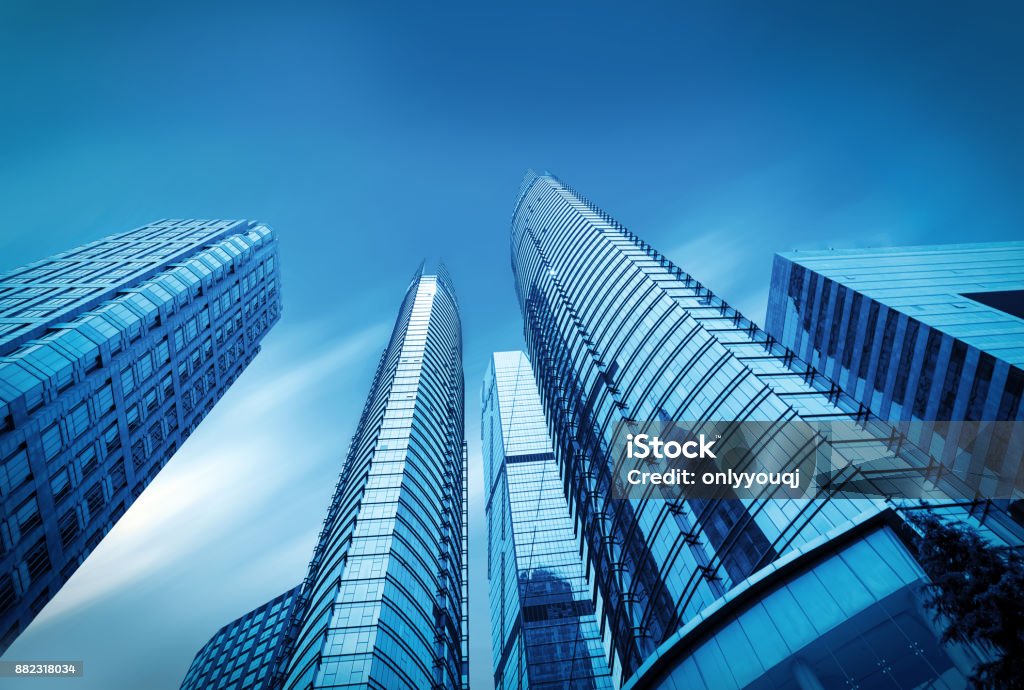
column 914, row 334
column 835, row 624
column 112, row 382
column 241, row 654
column 383, row 604
column 544, row 632
column 618, row 334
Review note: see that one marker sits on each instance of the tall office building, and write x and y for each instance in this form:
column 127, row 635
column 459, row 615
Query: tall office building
column 915, row 334
column 110, row 356
column 384, row 601
column 763, row 590
column 544, row 631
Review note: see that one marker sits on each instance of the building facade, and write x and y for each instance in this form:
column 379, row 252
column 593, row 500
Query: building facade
column 544, row 631
column 240, row 655
column 110, row 355
column 729, row 592
column 915, row 334
column 384, row 601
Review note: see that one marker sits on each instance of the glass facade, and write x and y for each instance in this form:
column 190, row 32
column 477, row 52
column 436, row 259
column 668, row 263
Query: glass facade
column 913, row 333
column 384, row 602
column 242, row 653
column 110, row 356
column 544, row 632
column 619, row 335
column 821, row 621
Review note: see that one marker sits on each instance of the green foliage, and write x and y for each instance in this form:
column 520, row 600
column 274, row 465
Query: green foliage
column 977, row 591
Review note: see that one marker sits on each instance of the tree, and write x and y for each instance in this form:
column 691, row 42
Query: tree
column 976, row 590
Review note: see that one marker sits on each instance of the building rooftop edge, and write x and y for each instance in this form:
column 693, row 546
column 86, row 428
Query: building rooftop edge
column 797, row 254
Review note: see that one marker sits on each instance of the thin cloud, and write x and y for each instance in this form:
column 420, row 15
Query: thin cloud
column 229, row 471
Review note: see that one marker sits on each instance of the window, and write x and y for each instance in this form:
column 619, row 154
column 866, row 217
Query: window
column 163, row 355
column 951, row 382
column 127, row 380
column 171, row 418
column 852, row 329
column 51, row 441
column 150, row 399
column 78, row 420
column 134, row 417
column 60, row 485
column 826, row 294
column 15, row 471
column 167, row 385
column 145, row 366
column 105, row 399
column 924, row 385
column 869, row 337
column 885, row 353
column 94, row 500
column 68, row 526
column 112, row 437
column 118, row 478
column 87, row 461
column 38, row 560
column 27, row 515
column 139, row 456
column 1010, row 401
column 979, row 388
column 906, row 359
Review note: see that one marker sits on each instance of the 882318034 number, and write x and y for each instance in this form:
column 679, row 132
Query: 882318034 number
column 49, row 669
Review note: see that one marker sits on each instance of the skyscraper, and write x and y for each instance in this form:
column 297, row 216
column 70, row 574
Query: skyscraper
column 762, row 590
column 383, row 603
column 110, row 356
column 884, row 323
column 545, row 633
column 915, row 334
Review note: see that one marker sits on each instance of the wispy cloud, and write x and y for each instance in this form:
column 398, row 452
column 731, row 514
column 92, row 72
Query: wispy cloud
column 254, row 446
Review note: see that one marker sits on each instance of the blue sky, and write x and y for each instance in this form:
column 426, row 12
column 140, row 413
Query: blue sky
column 372, row 136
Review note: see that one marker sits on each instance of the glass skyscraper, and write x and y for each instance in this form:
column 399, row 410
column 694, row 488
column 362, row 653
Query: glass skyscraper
column 545, row 633
column 884, row 323
column 110, row 355
column 768, row 591
column 384, row 602
column 932, row 333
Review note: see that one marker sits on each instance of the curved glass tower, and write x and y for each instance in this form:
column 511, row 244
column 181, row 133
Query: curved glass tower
column 383, row 604
column 111, row 354
column 384, row 601
column 723, row 592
